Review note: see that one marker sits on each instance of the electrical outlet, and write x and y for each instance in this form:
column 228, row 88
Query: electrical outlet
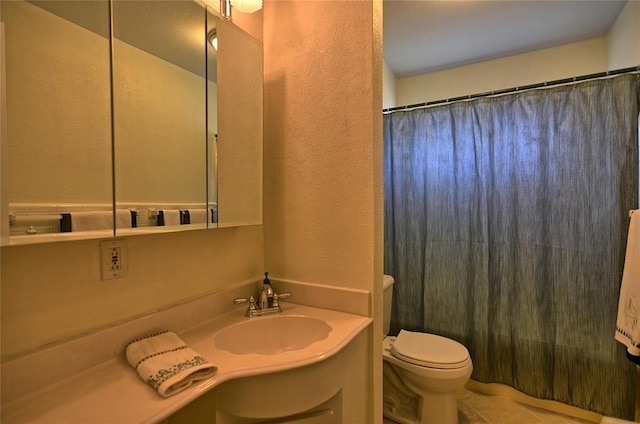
column 113, row 257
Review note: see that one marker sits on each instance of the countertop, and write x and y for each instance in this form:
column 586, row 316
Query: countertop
column 112, row 391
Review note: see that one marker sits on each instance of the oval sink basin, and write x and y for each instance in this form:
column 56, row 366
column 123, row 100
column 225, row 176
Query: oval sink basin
column 272, row 334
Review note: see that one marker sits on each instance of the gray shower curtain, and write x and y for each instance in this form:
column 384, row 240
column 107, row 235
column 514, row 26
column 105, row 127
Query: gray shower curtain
column 505, row 227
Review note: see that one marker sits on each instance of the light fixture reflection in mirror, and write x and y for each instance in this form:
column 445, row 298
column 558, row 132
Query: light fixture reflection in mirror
column 213, row 39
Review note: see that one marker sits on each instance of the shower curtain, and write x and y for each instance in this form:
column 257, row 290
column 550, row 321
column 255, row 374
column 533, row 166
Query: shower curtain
column 505, row 229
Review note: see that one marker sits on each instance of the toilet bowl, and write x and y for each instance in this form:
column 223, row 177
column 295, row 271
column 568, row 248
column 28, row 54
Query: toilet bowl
column 421, row 373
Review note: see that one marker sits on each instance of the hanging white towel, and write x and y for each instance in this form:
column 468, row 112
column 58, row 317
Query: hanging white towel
column 628, row 322
column 91, row 220
column 171, row 217
column 198, row 216
column 165, row 362
column 123, row 218
column 99, row 220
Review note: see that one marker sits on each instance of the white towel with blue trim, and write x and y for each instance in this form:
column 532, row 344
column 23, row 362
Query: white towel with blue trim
column 165, row 362
column 628, row 322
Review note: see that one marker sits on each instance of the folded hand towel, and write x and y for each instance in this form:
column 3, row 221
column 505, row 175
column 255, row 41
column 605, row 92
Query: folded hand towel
column 165, row 362
column 628, row 322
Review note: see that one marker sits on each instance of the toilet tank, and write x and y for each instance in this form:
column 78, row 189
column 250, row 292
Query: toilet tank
column 387, row 298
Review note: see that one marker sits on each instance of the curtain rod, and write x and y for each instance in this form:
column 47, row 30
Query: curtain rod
column 633, row 69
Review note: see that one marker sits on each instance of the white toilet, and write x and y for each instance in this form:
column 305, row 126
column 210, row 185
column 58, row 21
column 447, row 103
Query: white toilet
column 421, row 373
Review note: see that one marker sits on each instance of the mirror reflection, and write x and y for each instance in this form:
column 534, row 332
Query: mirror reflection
column 56, row 117
column 177, row 133
column 160, row 115
column 240, row 106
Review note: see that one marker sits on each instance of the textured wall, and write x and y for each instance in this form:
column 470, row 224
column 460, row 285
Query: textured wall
column 323, row 151
column 320, row 133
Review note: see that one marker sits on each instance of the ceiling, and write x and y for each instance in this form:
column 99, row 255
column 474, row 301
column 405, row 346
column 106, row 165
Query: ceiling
column 423, row 36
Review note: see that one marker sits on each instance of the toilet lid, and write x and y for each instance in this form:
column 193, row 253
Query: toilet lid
column 429, row 350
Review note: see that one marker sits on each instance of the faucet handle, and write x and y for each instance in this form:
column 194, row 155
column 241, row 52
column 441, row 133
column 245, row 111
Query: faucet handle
column 277, row 296
column 251, row 300
column 252, row 307
column 252, row 304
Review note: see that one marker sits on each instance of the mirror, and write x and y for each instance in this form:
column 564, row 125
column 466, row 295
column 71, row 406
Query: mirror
column 160, row 115
column 240, row 125
column 178, row 132
column 56, row 116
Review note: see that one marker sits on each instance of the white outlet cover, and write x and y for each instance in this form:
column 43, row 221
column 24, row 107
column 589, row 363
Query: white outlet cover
column 106, row 259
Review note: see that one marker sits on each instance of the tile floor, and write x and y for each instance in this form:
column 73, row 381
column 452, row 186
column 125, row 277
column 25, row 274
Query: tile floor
column 477, row 408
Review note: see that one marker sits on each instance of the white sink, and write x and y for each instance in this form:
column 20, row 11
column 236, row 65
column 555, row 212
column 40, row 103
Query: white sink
column 271, row 335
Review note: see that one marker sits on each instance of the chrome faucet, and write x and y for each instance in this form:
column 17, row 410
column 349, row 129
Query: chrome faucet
column 268, row 302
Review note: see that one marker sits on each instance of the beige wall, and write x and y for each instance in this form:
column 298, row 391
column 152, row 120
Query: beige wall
column 159, row 124
column 43, row 71
column 620, row 48
column 389, row 87
column 53, row 291
column 323, row 153
column 320, row 132
column 564, row 61
column 623, row 40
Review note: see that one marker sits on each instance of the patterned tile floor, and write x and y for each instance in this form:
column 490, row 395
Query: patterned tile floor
column 476, row 408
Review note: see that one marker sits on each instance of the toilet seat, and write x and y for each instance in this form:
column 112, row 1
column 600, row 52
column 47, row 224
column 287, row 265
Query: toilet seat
column 429, row 350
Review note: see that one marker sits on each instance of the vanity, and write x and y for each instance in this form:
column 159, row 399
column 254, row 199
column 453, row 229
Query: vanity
column 89, row 380
column 139, row 129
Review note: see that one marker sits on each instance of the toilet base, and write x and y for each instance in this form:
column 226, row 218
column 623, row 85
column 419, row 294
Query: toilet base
column 400, row 419
column 439, row 408
column 404, row 405
column 400, row 403
column 433, row 410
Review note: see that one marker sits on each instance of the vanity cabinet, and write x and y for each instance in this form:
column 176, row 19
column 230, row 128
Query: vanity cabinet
column 331, row 391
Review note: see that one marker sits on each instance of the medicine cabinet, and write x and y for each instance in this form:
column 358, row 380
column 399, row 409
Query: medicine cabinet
column 121, row 118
